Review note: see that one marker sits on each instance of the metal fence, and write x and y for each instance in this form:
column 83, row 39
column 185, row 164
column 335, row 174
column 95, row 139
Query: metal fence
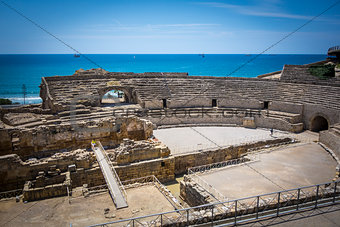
column 121, row 187
column 242, row 210
column 137, row 182
column 155, row 182
column 217, row 165
column 236, row 141
column 10, row 194
column 194, row 172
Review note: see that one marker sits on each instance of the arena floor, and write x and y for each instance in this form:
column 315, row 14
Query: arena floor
column 285, row 168
column 82, row 211
column 188, row 139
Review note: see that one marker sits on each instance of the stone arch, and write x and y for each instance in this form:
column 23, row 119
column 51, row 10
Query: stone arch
column 319, row 122
column 128, row 94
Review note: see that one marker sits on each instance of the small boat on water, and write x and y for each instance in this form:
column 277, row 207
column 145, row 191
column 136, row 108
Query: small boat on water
column 76, row 55
column 202, row 55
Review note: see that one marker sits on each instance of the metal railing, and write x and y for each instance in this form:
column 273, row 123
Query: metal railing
column 161, row 188
column 137, row 182
column 121, row 186
column 217, row 165
column 104, row 173
column 241, row 210
column 194, row 172
column 10, row 194
column 220, row 144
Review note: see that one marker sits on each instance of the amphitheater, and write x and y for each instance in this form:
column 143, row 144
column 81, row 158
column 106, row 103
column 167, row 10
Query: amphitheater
column 170, row 149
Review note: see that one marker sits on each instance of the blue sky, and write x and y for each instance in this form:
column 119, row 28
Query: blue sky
column 168, row 27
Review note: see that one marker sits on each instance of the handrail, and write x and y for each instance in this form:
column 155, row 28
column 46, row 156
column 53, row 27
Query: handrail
column 121, row 186
column 203, row 168
column 105, row 176
column 9, row 194
column 333, row 191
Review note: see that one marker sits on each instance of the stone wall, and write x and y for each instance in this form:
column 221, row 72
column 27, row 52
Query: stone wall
column 14, row 172
column 286, row 107
column 197, row 91
column 163, row 169
column 131, row 151
column 32, row 191
column 185, row 161
column 46, row 140
column 227, row 116
column 311, row 111
column 331, row 138
column 92, row 177
column 193, row 194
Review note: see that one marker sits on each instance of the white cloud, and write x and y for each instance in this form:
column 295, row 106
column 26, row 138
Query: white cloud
column 151, row 28
column 246, row 10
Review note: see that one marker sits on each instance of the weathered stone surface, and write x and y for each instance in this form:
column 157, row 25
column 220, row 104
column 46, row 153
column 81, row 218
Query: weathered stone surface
column 46, row 140
column 133, row 151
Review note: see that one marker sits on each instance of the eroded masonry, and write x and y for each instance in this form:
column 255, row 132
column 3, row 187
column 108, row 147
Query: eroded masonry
column 49, row 150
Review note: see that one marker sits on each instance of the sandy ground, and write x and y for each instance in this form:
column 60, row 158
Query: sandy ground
column 82, row 211
column 188, row 139
column 286, row 168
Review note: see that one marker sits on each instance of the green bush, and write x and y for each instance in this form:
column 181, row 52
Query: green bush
column 322, row 71
column 5, row 102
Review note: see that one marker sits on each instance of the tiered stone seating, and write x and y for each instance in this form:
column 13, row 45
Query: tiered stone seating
column 300, row 74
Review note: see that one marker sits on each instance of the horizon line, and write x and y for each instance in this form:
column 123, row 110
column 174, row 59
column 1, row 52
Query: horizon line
column 163, row 54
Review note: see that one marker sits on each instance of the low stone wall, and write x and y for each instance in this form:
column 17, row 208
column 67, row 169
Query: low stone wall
column 135, row 151
column 225, row 116
column 46, row 140
column 286, row 107
column 14, row 172
column 185, row 161
column 193, row 194
column 331, row 140
column 92, row 177
column 31, row 193
column 163, row 169
column 49, row 191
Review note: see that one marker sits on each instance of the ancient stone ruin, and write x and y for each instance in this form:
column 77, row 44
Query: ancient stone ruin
column 45, row 149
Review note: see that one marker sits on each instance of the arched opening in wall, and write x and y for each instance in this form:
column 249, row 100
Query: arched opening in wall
column 114, row 98
column 319, row 123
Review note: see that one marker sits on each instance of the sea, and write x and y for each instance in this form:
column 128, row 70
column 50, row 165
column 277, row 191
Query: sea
column 23, row 72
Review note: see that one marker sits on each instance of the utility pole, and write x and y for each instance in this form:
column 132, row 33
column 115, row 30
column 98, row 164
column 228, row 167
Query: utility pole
column 24, row 91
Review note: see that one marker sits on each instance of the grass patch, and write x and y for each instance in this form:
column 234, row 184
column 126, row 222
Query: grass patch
column 323, row 72
column 5, row 102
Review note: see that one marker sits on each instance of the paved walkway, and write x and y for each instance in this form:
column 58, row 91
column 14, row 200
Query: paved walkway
column 111, row 181
column 189, row 139
column 290, row 167
column 325, row 217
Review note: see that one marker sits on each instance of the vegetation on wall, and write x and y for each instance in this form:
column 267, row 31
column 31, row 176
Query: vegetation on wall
column 323, row 72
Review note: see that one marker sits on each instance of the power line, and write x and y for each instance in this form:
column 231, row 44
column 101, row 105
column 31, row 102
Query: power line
column 49, row 33
column 285, row 37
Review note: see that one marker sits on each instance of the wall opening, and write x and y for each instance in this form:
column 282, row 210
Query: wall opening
column 319, row 123
column 265, row 105
column 214, row 103
column 113, row 98
column 164, row 103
